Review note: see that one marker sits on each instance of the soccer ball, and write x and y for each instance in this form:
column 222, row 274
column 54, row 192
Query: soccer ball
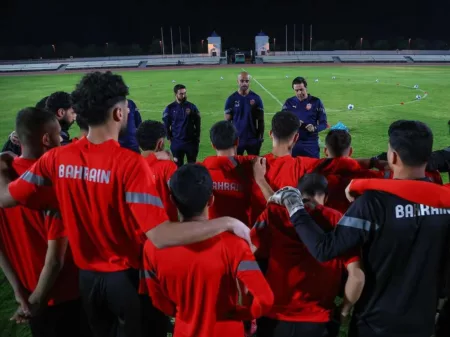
column 221, row 77
column 173, row 81
column 350, row 107
column 333, row 78
column 416, row 86
column 316, row 80
column 287, row 76
column 377, row 80
column 418, row 97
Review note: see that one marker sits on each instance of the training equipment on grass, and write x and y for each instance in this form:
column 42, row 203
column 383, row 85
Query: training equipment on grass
column 339, row 126
column 418, row 97
column 416, row 86
column 350, row 107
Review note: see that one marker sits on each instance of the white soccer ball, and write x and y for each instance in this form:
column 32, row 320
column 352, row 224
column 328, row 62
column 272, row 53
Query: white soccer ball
column 173, row 81
column 316, row 80
column 416, row 86
column 333, row 78
column 350, row 107
column 418, row 97
column 287, row 76
column 377, row 80
column 221, row 77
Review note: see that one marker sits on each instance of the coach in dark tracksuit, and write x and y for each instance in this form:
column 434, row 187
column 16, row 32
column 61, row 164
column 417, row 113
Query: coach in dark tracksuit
column 182, row 121
column 404, row 242
column 128, row 140
column 313, row 119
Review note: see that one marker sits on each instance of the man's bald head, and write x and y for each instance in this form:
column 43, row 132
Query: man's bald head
column 244, row 82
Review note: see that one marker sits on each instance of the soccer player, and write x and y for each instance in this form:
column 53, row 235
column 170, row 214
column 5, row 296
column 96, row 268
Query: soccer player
column 61, row 105
column 150, row 136
column 109, row 206
column 33, row 244
column 313, row 119
column 405, row 244
column 197, row 283
column 128, row 139
column 231, row 174
column 13, row 143
column 183, row 122
column 245, row 110
column 304, row 289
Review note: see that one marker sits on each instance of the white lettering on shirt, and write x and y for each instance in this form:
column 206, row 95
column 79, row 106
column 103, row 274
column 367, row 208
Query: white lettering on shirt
column 226, row 186
column 84, row 173
column 415, row 210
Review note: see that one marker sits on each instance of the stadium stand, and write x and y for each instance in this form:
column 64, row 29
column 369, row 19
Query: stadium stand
column 430, row 58
column 103, row 64
column 356, row 58
column 297, row 58
column 389, row 58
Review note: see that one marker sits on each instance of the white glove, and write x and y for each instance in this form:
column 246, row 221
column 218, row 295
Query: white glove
column 289, row 197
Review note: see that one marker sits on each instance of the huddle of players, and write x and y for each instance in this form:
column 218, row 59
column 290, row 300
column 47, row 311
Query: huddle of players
column 127, row 202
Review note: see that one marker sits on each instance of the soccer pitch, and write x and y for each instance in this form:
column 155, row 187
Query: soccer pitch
column 376, row 105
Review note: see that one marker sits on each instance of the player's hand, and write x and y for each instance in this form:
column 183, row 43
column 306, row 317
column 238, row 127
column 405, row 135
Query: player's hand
column 21, row 295
column 301, row 122
column 310, row 128
column 259, row 168
column 349, row 194
column 240, row 229
column 345, row 318
column 289, row 197
column 14, row 138
column 20, row 317
column 163, row 155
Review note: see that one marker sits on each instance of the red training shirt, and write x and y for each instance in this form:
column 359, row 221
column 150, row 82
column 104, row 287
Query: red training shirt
column 281, row 172
column 304, row 288
column 232, row 184
column 162, row 171
column 106, row 198
column 198, row 284
column 24, row 236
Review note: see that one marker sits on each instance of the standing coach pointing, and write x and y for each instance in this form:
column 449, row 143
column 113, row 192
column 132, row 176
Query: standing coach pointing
column 313, row 119
column 245, row 110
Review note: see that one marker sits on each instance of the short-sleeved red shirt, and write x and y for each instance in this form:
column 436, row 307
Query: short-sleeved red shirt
column 232, row 184
column 281, row 172
column 304, row 288
column 162, row 171
column 106, row 198
column 24, row 236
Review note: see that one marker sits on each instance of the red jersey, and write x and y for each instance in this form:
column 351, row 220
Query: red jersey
column 198, row 284
column 281, row 172
column 232, row 184
column 339, row 172
column 106, row 198
column 304, row 288
column 162, row 171
column 24, row 236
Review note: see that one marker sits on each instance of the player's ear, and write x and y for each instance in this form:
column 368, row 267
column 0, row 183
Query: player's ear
column 270, row 134
column 236, row 143
column 60, row 113
column 325, row 151
column 210, row 201
column 160, row 144
column 296, row 137
column 350, row 151
column 117, row 114
column 46, row 141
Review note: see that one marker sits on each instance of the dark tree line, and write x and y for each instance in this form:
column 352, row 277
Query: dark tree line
column 67, row 50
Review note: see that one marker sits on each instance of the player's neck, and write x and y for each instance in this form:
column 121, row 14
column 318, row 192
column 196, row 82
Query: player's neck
column 244, row 93
column 30, row 153
column 101, row 134
column 201, row 217
column 226, row 153
column 147, row 153
column 281, row 149
column 409, row 173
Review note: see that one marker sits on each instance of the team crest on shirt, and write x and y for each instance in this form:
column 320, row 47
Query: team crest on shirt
column 188, row 111
column 308, row 106
column 236, row 104
column 252, row 102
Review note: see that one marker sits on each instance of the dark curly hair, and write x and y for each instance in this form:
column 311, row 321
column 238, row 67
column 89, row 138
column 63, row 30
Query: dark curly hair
column 284, row 125
column 338, row 141
column 96, row 94
column 42, row 102
column 81, row 122
column 223, row 135
column 58, row 100
column 148, row 134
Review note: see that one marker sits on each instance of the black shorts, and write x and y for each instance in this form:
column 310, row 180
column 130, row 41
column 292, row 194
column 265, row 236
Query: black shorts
column 268, row 327
column 114, row 307
column 65, row 319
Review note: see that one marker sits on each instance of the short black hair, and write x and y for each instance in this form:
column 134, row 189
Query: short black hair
column 412, row 140
column 58, row 100
column 81, row 122
column 284, row 125
column 338, row 141
column 148, row 134
column 313, row 184
column 42, row 102
column 191, row 187
column 178, row 87
column 30, row 123
column 299, row 80
column 96, row 94
column 223, row 135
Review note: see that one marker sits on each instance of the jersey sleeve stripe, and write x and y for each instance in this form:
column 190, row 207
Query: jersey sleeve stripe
column 356, row 223
column 233, row 161
column 248, row 266
column 35, row 179
column 260, row 225
column 53, row 214
column 143, row 198
column 228, row 111
column 147, row 274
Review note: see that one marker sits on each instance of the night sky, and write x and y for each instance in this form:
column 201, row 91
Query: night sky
column 83, row 22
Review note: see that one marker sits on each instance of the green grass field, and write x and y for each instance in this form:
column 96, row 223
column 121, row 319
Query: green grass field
column 376, row 106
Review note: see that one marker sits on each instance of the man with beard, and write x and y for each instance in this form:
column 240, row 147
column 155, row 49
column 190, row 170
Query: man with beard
column 182, row 121
column 245, row 110
column 128, row 140
column 60, row 104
